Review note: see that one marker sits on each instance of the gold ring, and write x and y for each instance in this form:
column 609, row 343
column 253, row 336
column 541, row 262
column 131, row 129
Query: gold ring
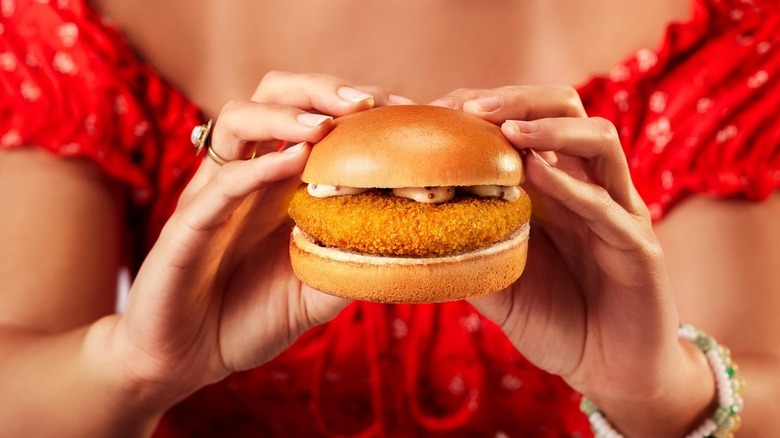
column 201, row 139
column 214, row 157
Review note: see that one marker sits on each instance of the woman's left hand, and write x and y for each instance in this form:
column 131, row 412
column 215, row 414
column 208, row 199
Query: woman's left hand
column 594, row 304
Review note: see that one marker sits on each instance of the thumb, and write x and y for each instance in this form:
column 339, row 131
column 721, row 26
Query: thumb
column 320, row 307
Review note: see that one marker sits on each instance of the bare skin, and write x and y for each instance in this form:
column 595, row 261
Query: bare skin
column 421, row 50
column 428, row 59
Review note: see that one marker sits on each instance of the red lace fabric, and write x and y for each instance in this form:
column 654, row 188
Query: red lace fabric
column 696, row 115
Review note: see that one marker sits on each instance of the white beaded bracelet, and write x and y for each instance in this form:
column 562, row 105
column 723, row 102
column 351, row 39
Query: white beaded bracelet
column 726, row 419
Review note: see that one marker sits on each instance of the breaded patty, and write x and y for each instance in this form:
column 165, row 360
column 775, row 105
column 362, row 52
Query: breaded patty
column 377, row 222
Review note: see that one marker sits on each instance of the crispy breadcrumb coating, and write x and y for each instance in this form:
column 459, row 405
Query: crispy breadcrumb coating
column 377, row 222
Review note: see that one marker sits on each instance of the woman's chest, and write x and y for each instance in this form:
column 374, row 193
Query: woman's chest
column 419, row 49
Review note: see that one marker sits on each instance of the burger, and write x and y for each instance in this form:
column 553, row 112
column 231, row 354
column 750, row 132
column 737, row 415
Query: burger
column 410, row 204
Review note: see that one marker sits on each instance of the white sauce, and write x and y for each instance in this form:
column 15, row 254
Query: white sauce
column 326, row 191
column 306, row 243
column 510, row 193
column 428, row 195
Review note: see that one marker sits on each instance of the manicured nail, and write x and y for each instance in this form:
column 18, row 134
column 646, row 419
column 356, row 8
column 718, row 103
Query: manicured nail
column 539, row 157
column 399, row 100
column 294, row 148
column 525, row 127
column 483, row 104
column 353, row 95
column 312, row 120
column 446, row 102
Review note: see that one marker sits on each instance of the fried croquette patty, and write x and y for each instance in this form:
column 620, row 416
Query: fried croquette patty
column 377, row 222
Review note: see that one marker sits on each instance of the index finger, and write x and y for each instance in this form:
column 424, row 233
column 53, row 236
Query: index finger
column 309, row 91
column 520, row 102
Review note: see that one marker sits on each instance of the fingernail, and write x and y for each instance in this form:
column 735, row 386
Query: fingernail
column 446, row 102
column 484, row 104
column 399, row 100
column 353, row 95
column 312, row 120
column 294, row 148
column 525, row 127
column 539, row 157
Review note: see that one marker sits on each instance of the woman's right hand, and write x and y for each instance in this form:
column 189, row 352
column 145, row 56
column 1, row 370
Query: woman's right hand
column 217, row 294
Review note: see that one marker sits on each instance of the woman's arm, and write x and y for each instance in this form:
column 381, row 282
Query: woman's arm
column 723, row 257
column 59, row 254
column 216, row 293
column 596, row 304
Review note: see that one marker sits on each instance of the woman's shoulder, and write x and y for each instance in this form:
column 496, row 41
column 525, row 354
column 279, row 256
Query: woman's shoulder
column 71, row 84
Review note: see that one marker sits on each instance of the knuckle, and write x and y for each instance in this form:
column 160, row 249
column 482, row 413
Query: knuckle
column 230, row 107
column 228, row 121
column 268, row 82
column 653, row 250
column 509, row 89
column 520, row 95
column 598, row 206
column 319, row 78
column 460, row 95
column 648, row 251
column 568, row 92
column 641, row 210
column 273, row 76
column 273, row 109
column 606, row 129
column 604, row 201
column 571, row 98
column 325, row 81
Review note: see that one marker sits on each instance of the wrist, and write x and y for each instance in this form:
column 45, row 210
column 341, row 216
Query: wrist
column 724, row 418
column 141, row 401
column 685, row 395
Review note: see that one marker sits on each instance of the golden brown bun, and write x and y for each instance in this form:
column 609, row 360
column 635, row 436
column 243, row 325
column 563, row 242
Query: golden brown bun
column 413, row 146
column 406, row 280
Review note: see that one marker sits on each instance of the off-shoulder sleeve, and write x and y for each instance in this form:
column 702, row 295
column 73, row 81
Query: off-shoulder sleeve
column 701, row 115
column 68, row 86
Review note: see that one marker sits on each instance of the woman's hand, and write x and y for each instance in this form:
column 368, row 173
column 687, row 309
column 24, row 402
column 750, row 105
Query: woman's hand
column 594, row 304
column 217, row 293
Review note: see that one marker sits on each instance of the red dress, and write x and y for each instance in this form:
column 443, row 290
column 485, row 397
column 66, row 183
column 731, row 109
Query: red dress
column 697, row 115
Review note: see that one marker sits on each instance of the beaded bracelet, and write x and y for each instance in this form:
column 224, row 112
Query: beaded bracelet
column 724, row 422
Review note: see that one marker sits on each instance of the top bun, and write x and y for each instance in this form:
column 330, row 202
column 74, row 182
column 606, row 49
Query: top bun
column 413, row 146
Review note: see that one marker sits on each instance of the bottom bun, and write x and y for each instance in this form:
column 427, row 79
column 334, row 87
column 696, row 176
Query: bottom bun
column 408, row 280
